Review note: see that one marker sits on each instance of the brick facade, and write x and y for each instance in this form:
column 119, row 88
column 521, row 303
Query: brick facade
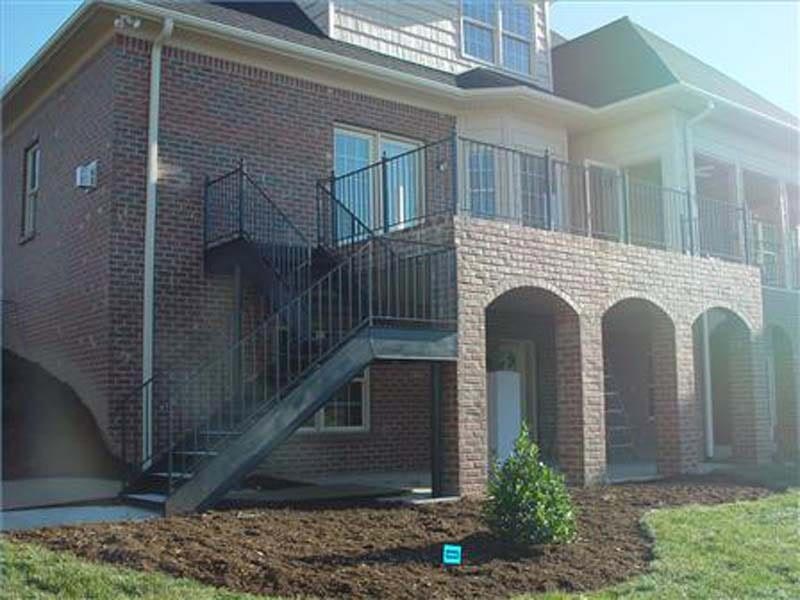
column 398, row 439
column 75, row 290
column 590, row 276
column 214, row 113
column 58, row 299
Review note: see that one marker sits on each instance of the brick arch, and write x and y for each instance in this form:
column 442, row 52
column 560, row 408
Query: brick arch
column 640, row 362
column 726, row 307
column 739, row 406
column 624, row 296
column 512, row 283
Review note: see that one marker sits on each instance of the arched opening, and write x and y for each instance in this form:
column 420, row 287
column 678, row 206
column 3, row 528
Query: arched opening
column 781, row 363
column 533, row 366
column 725, row 378
column 640, row 389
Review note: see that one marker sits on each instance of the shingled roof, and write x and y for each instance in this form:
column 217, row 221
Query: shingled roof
column 623, row 59
column 617, row 61
column 293, row 26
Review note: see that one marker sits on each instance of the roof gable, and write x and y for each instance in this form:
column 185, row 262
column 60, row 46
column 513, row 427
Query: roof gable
column 607, row 65
column 623, row 59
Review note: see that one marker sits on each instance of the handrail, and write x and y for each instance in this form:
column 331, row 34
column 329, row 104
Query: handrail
column 413, row 283
column 237, row 206
column 490, row 181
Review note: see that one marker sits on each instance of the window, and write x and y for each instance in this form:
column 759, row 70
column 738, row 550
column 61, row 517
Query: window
column 348, row 410
column 362, row 192
column 481, row 179
column 31, row 176
column 499, row 32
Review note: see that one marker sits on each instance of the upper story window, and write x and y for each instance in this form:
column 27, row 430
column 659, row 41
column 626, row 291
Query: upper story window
column 31, row 175
column 499, row 32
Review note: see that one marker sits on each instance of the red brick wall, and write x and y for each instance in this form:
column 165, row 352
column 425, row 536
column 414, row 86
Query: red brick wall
column 399, row 434
column 57, row 303
column 591, row 276
column 213, row 113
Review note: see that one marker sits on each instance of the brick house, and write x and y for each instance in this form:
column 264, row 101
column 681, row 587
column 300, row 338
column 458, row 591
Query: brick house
column 322, row 238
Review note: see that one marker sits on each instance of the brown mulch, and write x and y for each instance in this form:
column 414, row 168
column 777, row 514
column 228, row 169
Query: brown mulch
column 378, row 551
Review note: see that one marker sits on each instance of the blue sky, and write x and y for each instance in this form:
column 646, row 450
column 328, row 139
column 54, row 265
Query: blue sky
column 755, row 42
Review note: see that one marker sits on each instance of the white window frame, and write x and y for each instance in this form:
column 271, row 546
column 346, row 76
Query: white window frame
column 319, row 417
column 377, row 138
column 498, row 34
column 30, row 194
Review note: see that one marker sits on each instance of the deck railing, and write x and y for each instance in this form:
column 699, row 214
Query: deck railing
column 237, row 207
column 490, row 181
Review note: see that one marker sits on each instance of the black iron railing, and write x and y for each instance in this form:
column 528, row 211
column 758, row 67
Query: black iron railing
column 722, row 229
column 237, row 207
column 379, row 283
column 489, row 181
column 768, row 252
column 395, row 193
column 494, row 182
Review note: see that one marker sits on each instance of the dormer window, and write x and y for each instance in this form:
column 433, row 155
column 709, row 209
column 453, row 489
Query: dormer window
column 499, row 32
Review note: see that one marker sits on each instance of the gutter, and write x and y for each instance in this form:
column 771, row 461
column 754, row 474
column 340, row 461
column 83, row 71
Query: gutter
column 708, row 404
column 351, row 65
column 358, row 67
column 151, row 200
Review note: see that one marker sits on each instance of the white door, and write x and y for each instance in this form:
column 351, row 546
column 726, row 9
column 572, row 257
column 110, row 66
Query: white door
column 505, row 404
column 506, row 391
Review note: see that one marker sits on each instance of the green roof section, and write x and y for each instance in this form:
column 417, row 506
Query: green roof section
column 622, row 60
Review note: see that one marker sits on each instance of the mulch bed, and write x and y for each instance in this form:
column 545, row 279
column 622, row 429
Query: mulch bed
column 377, row 551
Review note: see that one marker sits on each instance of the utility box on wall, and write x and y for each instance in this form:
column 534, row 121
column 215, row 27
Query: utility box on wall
column 86, row 176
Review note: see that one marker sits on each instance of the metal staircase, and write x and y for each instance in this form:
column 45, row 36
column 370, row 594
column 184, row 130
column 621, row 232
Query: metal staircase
column 371, row 298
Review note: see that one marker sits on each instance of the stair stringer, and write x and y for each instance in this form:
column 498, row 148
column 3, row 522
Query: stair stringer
column 247, row 451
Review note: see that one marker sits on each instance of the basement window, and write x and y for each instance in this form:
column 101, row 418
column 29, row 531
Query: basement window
column 347, row 411
column 30, row 198
column 499, row 32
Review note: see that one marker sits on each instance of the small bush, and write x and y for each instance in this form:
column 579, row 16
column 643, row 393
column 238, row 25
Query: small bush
column 528, row 501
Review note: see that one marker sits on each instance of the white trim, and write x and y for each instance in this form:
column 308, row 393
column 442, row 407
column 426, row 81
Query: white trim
column 319, row 417
column 377, row 138
column 498, row 33
column 30, row 193
column 446, row 92
column 52, row 43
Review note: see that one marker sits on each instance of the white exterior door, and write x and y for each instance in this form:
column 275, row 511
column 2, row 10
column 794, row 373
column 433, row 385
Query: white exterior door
column 505, row 393
column 506, row 385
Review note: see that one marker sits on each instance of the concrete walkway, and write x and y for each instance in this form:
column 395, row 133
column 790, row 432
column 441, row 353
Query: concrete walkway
column 14, row 520
column 55, row 491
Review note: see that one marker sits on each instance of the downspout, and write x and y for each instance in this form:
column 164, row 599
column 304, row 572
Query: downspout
column 151, row 201
column 708, row 406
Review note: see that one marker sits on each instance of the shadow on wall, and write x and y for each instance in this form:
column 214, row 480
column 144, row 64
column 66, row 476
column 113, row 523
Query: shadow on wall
column 47, row 430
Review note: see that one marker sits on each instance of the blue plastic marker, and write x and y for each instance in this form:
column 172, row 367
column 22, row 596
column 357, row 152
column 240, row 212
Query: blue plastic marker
column 451, row 554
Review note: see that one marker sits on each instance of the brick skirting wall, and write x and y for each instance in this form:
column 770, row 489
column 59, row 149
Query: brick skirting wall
column 590, row 276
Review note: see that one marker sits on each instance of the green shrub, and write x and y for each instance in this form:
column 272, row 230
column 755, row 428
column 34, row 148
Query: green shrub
column 527, row 501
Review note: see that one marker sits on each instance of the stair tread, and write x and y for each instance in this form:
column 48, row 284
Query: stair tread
column 175, row 474
column 154, row 498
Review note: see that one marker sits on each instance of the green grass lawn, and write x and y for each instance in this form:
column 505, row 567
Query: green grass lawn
column 744, row 550
column 30, row 572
